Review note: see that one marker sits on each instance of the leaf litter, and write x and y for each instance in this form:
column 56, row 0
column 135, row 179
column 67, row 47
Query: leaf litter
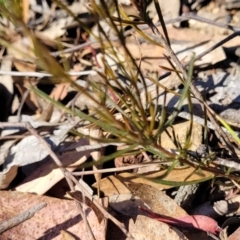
column 116, row 97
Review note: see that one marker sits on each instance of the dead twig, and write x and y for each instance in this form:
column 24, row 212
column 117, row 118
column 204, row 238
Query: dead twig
column 234, row 164
column 100, row 207
column 42, row 74
column 119, row 169
column 20, row 218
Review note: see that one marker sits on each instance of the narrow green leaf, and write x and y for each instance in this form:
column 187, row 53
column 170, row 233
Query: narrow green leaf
column 178, row 184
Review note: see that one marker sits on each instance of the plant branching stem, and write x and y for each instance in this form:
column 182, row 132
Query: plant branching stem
column 196, row 92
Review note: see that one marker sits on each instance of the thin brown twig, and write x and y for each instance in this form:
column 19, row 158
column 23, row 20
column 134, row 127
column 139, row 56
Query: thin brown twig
column 20, row 218
column 24, row 97
column 13, row 137
column 227, row 163
column 100, row 207
column 44, row 74
column 80, row 208
column 119, row 169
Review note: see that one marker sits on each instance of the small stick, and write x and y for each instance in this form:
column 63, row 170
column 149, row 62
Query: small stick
column 43, row 74
column 100, row 207
column 22, row 217
column 119, row 169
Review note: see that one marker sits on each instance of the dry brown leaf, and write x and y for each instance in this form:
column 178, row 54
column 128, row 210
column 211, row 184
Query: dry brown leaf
column 57, row 28
column 22, row 49
column 157, row 200
column 85, row 52
column 60, row 91
column 78, row 67
column 120, row 197
column 180, row 131
column 58, row 215
column 7, row 177
column 146, row 50
column 112, row 185
column 48, row 174
column 146, row 228
column 151, row 56
column 39, row 105
column 186, row 50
